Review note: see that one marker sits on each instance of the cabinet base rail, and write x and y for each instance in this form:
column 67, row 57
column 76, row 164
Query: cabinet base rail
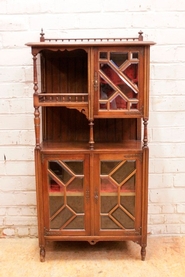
column 94, row 240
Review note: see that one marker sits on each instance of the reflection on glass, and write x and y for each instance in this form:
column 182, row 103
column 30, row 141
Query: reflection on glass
column 66, row 196
column 118, row 57
column 123, row 171
column 134, row 55
column 117, row 194
column 103, row 55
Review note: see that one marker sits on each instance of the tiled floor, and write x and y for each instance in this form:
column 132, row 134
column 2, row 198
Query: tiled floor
column 165, row 257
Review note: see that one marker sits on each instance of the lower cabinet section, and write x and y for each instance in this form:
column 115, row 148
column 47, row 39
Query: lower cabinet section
column 92, row 197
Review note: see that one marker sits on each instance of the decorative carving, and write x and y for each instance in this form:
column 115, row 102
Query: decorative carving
column 62, row 98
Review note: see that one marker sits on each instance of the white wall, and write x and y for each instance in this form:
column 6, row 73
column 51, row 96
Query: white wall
column 162, row 22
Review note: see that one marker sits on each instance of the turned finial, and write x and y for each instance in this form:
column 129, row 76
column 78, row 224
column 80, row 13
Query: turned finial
column 42, row 39
column 140, row 36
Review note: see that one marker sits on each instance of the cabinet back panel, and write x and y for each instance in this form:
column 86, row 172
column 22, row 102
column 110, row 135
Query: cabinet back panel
column 64, row 71
column 65, row 125
column 115, row 129
column 69, row 125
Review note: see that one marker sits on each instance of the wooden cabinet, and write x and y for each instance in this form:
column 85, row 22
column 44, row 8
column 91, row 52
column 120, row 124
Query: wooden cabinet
column 91, row 153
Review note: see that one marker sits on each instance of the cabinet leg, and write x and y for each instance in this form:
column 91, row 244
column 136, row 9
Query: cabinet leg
column 143, row 253
column 42, row 254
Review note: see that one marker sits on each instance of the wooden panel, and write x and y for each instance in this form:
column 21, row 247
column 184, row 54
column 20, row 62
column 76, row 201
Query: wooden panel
column 62, row 124
column 65, row 71
column 65, row 125
column 115, row 129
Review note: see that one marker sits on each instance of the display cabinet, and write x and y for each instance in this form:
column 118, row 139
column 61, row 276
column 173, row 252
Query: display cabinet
column 91, row 155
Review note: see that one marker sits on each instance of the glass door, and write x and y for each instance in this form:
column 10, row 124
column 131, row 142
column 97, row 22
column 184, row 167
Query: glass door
column 118, row 81
column 118, row 205
column 68, row 197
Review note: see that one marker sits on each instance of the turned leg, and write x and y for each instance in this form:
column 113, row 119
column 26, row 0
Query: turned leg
column 143, row 253
column 42, row 254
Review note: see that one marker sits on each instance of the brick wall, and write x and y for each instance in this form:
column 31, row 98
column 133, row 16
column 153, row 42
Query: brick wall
column 161, row 21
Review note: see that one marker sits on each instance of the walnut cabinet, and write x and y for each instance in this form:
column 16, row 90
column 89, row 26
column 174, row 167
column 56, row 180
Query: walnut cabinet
column 91, row 101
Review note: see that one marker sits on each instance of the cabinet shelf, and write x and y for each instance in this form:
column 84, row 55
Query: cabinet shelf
column 126, row 193
column 70, row 193
column 132, row 146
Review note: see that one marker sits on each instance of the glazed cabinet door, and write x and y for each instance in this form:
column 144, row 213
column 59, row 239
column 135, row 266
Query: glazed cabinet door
column 118, row 82
column 118, row 190
column 66, row 194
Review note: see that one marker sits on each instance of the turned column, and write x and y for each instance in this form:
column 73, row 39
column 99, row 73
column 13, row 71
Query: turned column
column 91, row 129
column 36, row 102
column 145, row 136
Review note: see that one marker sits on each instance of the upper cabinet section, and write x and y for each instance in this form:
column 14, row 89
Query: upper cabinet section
column 65, row 72
column 99, row 77
column 64, row 78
